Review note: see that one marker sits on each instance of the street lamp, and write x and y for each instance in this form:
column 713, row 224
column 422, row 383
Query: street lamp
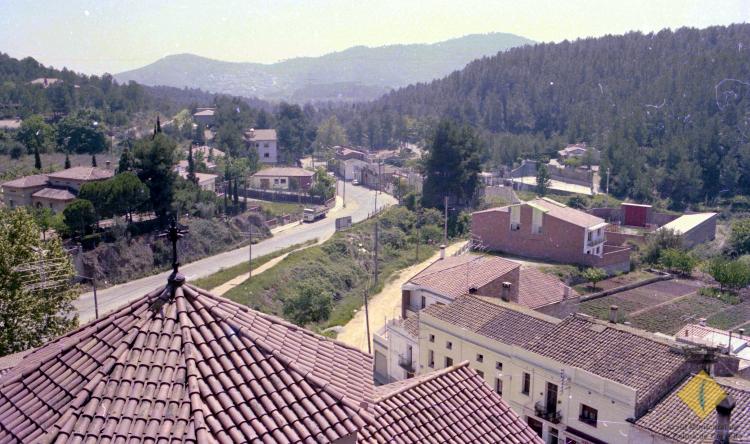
column 93, row 286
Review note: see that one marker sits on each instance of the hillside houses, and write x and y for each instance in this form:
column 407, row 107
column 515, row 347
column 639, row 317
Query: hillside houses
column 265, row 143
column 54, row 190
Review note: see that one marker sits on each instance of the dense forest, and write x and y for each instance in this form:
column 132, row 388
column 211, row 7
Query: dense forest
column 669, row 110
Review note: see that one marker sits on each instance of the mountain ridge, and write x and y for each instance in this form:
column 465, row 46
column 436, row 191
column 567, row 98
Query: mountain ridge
column 353, row 74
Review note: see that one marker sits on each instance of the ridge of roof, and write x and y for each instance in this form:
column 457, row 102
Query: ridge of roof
column 418, row 380
column 362, row 408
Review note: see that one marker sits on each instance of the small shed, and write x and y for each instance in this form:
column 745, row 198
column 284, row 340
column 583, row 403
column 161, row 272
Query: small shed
column 694, row 228
column 635, row 215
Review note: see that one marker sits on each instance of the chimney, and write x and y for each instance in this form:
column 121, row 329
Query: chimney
column 613, row 314
column 108, row 164
column 702, row 322
column 442, row 251
column 252, row 132
column 505, row 292
column 723, row 415
column 741, row 332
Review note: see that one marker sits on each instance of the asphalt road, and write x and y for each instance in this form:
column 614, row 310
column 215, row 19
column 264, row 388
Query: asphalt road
column 363, row 201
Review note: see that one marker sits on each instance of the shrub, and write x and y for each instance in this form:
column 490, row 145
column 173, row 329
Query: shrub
column 739, row 240
column 311, row 304
column 678, row 261
column 594, row 275
column 732, row 274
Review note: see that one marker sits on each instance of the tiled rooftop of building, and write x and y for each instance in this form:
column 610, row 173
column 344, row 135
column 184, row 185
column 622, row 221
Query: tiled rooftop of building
column 82, row 173
column 494, row 319
column 182, row 365
column 36, row 180
column 451, row 405
column 261, row 134
column 449, row 277
column 54, row 194
column 633, row 358
column 673, row 419
column 455, row 275
column 193, row 368
column 284, row 172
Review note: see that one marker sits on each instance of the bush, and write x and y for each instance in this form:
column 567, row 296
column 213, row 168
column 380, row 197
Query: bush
column 659, row 241
column 594, row 275
column 739, row 240
column 678, row 261
column 311, row 304
column 732, row 274
column 578, row 201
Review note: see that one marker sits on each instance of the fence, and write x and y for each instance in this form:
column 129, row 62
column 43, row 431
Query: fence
column 281, row 196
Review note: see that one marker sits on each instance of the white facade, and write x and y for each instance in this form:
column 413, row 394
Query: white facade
column 593, row 242
column 504, row 367
column 351, row 169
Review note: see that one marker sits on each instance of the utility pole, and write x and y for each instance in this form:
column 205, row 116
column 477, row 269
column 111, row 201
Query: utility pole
column 419, row 231
column 375, row 252
column 344, row 182
column 250, row 255
column 367, row 324
column 445, row 222
column 607, row 190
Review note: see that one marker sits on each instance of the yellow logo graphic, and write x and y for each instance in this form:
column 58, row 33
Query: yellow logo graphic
column 702, row 394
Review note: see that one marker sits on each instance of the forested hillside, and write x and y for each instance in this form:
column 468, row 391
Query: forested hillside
column 671, row 110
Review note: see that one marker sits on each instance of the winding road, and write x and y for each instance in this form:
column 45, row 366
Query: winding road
column 360, row 203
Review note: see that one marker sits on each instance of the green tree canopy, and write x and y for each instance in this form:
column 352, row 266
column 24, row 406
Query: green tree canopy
column 311, row 304
column 29, row 317
column 452, row 166
column 739, row 240
column 82, row 132
column 79, row 216
column 542, row 179
column 35, row 134
column 154, row 160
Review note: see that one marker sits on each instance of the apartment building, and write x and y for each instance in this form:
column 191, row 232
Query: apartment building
column 574, row 381
column 545, row 229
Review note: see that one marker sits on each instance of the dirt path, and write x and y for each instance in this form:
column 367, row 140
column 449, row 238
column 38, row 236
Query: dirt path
column 384, row 305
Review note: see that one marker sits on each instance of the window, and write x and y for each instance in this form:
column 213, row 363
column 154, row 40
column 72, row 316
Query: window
column 431, row 359
column 432, row 338
column 526, row 384
column 449, row 345
column 448, row 362
column 265, row 145
column 283, row 180
column 498, row 386
column 266, row 155
column 499, row 366
column 424, row 302
column 590, row 234
column 588, row 415
column 480, row 358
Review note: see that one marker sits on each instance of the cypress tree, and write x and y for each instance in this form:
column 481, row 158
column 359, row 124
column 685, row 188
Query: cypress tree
column 191, row 166
column 67, row 161
column 93, row 160
column 37, row 159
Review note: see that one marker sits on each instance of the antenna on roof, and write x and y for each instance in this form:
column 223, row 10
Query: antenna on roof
column 174, row 233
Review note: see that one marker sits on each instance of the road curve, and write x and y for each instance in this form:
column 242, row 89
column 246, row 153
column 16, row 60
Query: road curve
column 118, row 295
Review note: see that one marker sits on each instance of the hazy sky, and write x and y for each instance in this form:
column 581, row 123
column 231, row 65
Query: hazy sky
column 95, row 36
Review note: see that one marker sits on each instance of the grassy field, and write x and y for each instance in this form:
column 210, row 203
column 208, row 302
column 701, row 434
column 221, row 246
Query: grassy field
column 339, row 267
column 273, row 209
column 227, row 274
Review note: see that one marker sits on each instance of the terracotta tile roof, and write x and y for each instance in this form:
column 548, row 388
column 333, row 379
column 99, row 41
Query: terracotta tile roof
column 284, row 172
column 537, row 289
column 7, row 362
column 190, row 368
column 451, row 405
column 449, row 276
column 54, row 194
column 410, row 325
column 37, row 180
column 673, row 419
column 630, row 357
column 566, row 213
column 205, row 150
column 82, row 173
column 261, row 134
column 493, row 319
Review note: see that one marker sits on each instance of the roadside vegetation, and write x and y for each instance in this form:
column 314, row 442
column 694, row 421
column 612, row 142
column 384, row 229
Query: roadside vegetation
column 338, row 272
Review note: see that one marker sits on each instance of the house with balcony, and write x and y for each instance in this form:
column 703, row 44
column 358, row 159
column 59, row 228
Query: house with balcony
column 575, row 380
column 396, row 345
column 548, row 230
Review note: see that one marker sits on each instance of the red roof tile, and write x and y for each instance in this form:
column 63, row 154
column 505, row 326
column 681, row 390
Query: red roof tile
column 54, row 194
column 451, row 405
column 82, row 173
column 193, row 368
column 537, row 289
column 454, row 275
column 36, row 180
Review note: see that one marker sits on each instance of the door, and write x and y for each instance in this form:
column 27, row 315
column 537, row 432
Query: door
column 551, row 400
column 265, row 184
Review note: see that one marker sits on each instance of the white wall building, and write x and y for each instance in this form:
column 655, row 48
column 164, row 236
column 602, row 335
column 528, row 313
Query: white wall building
column 265, row 142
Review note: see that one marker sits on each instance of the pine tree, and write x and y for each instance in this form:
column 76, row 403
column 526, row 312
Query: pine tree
column 37, row 159
column 126, row 161
column 93, row 160
column 542, row 179
column 67, row 161
column 191, row 166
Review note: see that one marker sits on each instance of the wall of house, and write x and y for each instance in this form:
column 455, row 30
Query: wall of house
column 559, row 241
column 57, row 206
column 267, row 150
column 19, row 197
column 703, row 232
column 615, row 403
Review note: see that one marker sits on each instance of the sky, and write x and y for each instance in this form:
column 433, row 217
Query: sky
column 96, row 36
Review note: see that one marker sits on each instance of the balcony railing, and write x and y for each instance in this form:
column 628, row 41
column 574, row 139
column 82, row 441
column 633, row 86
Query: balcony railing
column 595, row 241
column 406, row 363
column 553, row 416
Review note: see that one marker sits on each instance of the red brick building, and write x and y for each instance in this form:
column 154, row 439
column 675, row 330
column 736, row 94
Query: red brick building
column 548, row 230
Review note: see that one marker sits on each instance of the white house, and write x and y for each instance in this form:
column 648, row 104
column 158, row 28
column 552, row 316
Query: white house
column 265, row 142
